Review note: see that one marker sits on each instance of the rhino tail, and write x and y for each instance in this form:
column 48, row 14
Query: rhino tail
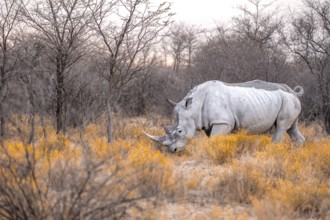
column 299, row 90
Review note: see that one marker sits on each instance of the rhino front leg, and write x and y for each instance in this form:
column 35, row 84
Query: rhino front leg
column 220, row 129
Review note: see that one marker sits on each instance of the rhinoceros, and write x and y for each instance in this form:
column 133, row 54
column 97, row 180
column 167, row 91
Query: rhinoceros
column 220, row 108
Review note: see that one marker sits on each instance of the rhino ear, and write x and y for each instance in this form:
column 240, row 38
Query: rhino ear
column 171, row 102
column 188, row 102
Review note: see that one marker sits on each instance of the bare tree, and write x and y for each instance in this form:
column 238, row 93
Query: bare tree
column 258, row 24
column 32, row 82
column 128, row 29
column 9, row 20
column 310, row 41
column 178, row 44
column 63, row 26
column 230, row 57
column 182, row 41
column 210, row 62
column 193, row 38
column 29, row 69
column 165, row 51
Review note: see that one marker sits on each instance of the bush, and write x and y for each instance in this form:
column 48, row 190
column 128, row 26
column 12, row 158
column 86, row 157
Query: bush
column 222, row 149
column 240, row 183
column 53, row 179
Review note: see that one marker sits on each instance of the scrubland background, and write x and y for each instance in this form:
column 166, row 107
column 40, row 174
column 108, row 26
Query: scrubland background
column 80, row 80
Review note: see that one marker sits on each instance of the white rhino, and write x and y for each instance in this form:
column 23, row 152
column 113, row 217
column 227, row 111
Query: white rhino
column 220, row 108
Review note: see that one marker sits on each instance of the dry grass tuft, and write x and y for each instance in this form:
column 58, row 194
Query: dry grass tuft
column 223, row 149
column 240, row 183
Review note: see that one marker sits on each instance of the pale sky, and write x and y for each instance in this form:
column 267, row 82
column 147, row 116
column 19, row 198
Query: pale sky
column 210, row 12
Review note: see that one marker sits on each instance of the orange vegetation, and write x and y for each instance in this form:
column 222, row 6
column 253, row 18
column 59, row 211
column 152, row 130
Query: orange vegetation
column 238, row 176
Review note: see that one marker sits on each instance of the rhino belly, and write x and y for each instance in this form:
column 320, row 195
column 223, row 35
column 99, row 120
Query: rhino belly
column 257, row 125
column 256, row 117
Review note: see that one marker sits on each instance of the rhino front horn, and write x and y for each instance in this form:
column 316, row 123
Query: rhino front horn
column 160, row 140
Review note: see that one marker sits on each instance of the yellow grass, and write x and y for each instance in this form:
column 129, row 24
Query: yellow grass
column 237, row 176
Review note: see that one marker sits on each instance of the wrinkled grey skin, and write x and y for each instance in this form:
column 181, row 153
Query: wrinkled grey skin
column 220, row 108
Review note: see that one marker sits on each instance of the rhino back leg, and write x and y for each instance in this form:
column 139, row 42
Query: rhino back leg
column 295, row 134
column 221, row 129
column 283, row 124
column 277, row 137
column 287, row 116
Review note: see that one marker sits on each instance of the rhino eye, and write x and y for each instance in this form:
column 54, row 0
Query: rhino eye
column 179, row 131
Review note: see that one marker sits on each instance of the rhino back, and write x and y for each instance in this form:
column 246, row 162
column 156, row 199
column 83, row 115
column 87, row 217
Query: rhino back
column 248, row 108
column 259, row 84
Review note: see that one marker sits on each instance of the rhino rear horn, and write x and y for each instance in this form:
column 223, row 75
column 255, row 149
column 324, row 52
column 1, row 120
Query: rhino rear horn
column 161, row 140
column 168, row 129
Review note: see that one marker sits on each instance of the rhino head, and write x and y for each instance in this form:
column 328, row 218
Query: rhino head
column 182, row 129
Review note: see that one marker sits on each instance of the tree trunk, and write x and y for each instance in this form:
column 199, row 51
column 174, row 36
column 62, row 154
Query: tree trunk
column 189, row 57
column 2, row 125
column 31, row 137
column 59, row 102
column 325, row 104
column 326, row 113
column 44, row 132
column 33, row 112
column 109, row 126
column 2, row 98
column 58, row 114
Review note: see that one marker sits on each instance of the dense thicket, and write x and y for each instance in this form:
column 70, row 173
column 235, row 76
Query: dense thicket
column 73, row 61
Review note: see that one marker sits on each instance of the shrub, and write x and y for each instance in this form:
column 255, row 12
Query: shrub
column 240, row 183
column 222, row 149
column 53, row 179
column 305, row 197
